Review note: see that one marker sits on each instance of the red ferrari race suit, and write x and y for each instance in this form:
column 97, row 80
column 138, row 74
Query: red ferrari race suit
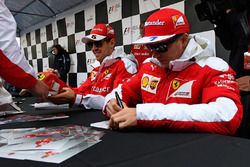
column 141, row 53
column 114, row 70
column 197, row 94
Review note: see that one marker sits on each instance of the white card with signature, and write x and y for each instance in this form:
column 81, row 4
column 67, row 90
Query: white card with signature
column 102, row 124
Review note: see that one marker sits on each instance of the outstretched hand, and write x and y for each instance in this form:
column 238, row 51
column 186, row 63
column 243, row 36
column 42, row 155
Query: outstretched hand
column 40, row 89
column 66, row 96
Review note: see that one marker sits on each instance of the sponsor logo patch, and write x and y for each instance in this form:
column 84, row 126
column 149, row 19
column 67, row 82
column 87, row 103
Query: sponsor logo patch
column 93, row 75
column 175, row 84
column 40, row 77
column 154, row 23
column 178, row 20
column 225, row 83
column 180, row 88
column 100, row 90
column 227, row 76
column 110, row 31
column 153, row 38
column 107, row 76
column 149, row 83
column 145, row 81
column 106, row 72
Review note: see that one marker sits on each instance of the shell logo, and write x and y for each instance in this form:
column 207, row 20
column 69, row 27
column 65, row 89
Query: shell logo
column 145, row 81
column 93, row 75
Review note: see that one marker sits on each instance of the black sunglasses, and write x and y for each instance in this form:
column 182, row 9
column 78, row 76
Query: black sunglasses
column 163, row 46
column 97, row 44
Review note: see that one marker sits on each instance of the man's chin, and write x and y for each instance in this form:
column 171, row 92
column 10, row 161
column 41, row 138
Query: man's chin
column 98, row 59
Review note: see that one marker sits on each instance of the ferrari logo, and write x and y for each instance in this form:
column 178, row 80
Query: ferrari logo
column 174, row 18
column 175, row 84
column 106, row 72
column 40, row 76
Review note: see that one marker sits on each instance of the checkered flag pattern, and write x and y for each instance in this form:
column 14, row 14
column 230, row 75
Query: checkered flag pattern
column 123, row 15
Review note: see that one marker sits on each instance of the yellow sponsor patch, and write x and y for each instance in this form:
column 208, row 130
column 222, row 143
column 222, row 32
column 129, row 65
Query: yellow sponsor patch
column 40, row 76
column 153, row 84
column 175, row 84
column 93, row 75
column 145, row 81
column 149, row 83
column 106, row 72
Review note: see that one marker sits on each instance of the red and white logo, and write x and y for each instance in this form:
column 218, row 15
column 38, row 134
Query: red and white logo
column 178, row 20
column 181, row 89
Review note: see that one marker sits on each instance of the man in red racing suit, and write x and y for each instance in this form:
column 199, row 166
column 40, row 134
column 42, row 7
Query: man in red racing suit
column 115, row 68
column 184, row 88
column 141, row 52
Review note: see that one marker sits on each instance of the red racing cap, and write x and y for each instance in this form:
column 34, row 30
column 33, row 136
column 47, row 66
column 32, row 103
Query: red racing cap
column 164, row 24
column 99, row 32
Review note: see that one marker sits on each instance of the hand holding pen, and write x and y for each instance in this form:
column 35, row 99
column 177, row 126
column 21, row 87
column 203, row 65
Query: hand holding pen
column 118, row 99
column 124, row 118
column 114, row 105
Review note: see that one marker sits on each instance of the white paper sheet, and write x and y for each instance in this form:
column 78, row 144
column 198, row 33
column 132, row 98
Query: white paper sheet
column 102, row 124
column 48, row 105
column 47, row 144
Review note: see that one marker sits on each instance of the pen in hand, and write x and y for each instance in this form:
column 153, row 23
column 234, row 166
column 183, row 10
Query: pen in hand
column 118, row 99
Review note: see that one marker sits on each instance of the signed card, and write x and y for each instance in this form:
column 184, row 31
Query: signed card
column 102, row 124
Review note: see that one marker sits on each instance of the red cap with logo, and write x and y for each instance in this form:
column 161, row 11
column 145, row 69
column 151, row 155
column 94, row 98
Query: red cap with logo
column 164, row 24
column 99, row 32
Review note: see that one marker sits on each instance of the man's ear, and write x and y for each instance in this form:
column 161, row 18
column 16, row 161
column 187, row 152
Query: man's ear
column 185, row 39
column 112, row 41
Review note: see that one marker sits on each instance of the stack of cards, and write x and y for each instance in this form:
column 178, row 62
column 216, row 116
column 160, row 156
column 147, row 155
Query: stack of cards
column 50, row 106
column 10, row 109
column 29, row 118
column 54, row 144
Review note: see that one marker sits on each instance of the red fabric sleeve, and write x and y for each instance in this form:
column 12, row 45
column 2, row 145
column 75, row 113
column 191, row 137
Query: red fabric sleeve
column 15, row 75
column 217, row 84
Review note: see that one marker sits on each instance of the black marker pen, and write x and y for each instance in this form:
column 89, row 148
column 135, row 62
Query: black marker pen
column 118, row 99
